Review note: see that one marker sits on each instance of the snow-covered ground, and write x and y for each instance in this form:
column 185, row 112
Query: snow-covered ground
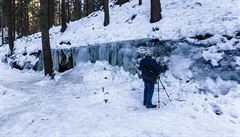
column 101, row 100
column 105, row 101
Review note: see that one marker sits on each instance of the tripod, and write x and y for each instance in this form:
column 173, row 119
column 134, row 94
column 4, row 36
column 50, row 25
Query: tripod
column 163, row 87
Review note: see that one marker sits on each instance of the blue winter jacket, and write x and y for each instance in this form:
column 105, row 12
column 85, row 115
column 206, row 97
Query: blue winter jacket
column 150, row 69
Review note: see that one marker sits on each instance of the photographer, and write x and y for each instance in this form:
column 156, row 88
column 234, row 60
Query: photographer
column 150, row 72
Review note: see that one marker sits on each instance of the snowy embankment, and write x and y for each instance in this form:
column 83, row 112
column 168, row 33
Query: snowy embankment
column 101, row 100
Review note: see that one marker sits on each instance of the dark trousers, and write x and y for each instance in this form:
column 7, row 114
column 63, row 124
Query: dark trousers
column 148, row 92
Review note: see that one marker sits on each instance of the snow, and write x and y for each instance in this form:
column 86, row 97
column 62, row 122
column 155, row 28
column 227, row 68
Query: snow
column 179, row 68
column 106, row 101
column 213, row 55
column 101, row 100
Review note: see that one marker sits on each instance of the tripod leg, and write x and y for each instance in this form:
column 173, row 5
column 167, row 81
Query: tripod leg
column 158, row 95
column 165, row 90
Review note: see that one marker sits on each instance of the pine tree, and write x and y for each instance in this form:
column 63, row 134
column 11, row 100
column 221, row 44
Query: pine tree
column 68, row 11
column 51, row 12
column 10, row 24
column 25, row 18
column 13, row 18
column 86, row 7
column 47, row 57
column 64, row 18
column 155, row 11
column 106, row 12
column 2, row 25
column 77, row 9
column 19, row 18
column 34, row 11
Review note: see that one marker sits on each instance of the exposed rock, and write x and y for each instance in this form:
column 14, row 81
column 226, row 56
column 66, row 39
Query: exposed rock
column 202, row 37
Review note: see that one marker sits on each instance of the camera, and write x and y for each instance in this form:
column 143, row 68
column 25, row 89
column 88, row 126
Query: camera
column 163, row 67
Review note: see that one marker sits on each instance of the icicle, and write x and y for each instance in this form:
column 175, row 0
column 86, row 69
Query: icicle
column 113, row 55
column 82, row 55
column 93, row 53
column 74, row 56
column 104, row 52
column 40, row 62
column 55, row 56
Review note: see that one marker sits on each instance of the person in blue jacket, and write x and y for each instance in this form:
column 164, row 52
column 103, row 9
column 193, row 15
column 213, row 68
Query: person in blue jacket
column 150, row 72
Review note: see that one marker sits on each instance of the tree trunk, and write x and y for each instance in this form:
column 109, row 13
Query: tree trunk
column 47, row 57
column 68, row 12
column 20, row 20
column 88, row 7
column 77, row 9
column 14, row 19
column 2, row 25
column 25, row 28
column 59, row 12
column 106, row 12
column 155, row 11
column 140, row 2
column 121, row 2
column 27, row 20
column 51, row 12
column 10, row 25
column 64, row 18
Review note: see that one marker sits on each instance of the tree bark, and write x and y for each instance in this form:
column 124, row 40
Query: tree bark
column 88, row 7
column 77, row 9
column 59, row 12
column 106, row 12
column 25, row 27
column 10, row 25
column 13, row 18
column 2, row 25
column 155, row 11
column 51, row 12
column 27, row 20
column 68, row 12
column 20, row 19
column 64, row 18
column 47, row 57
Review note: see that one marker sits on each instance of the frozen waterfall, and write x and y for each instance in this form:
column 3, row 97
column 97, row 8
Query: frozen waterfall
column 127, row 54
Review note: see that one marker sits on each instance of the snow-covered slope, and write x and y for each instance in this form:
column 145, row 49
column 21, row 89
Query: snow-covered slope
column 100, row 100
column 181, row 18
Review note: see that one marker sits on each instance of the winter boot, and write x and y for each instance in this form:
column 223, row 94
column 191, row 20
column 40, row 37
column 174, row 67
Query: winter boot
column 151, row 106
